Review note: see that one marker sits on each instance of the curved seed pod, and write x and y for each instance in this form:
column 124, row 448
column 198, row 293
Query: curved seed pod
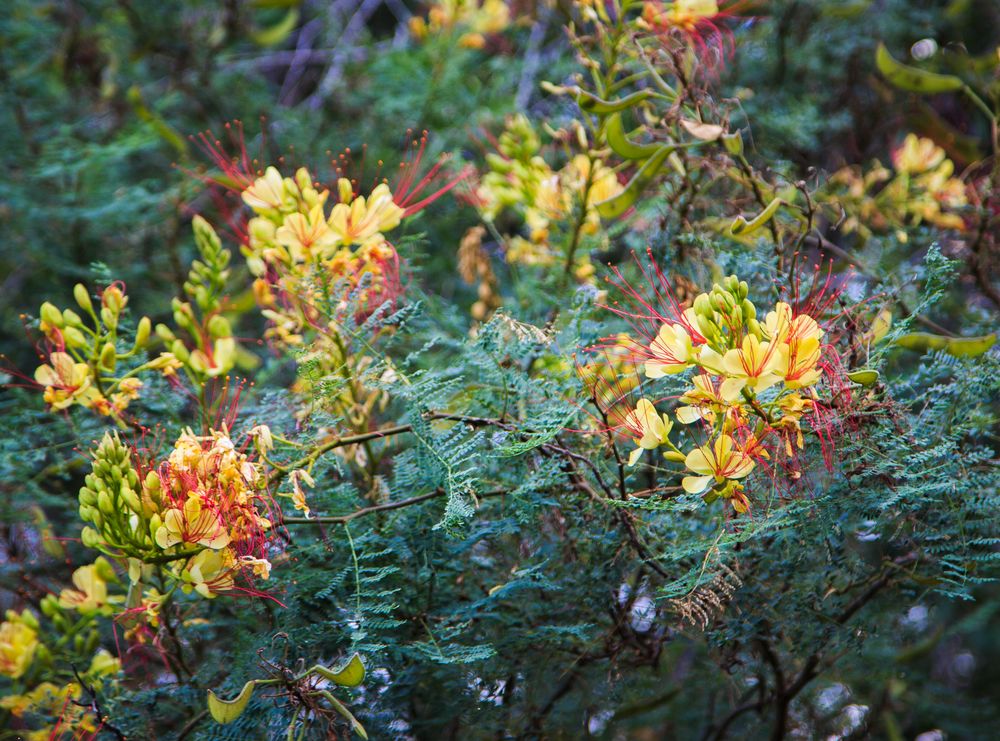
column 621, row 145
column 913, row 79
column 864, row 377
column 350, row 674
column 742, row 226
column 960, row 347
column 226, row 711
column 617, row 205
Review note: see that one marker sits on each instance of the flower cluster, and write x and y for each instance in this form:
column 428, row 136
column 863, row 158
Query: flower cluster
column 919, row 189
column 37, row 657
column 477, row 19
column 522, row 181
column 83, row 357
column 199, row 515
column 753, row 384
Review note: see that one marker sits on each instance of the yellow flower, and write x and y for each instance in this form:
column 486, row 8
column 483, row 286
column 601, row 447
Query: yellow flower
column 918, row 154
column 192, row 524
column 305, row 235
column 800, row 363
column 66, row 382
column 670, row 352
column 364, row 219
column 716, row 463
column 267, row 192
column 755, row 366
column 683, row 14
column 298, row 495
column 18, row 641
column 90, row 594
column 703, row 401
column 649, row 428
column 210, row 572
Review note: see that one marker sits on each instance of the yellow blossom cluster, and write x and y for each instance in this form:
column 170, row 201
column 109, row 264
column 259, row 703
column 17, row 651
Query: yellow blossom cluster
column 477, row 19
column 752, row 383
column 920, row 188
column 681, row 14
column 198, row 515
column 41, row 707
column 520, row 180
column 81, row 366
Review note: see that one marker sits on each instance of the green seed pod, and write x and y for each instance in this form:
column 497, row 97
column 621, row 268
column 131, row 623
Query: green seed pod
column 82, row 297
column 51, row 315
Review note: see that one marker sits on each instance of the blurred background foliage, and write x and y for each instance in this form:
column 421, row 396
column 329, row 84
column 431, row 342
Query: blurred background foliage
column 99, row 99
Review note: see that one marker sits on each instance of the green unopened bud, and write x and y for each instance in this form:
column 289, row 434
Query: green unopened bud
column 107, row 359
column 49, row 605
column 218, row 327
column 51, row 315
column 74, row 338
column 71, row 318
column 164, row 333
column 180, row 351
column 755, row 329
column 105, row 504
column 29, row 619
column 703, row 306
column 675, row 456
column 109, row 318
column 82, row 297
column 749, row 310
column 104, row 569
column 131, row 500
column 86, row 511
column 113, row 299
column 707, row 328
column 90, row 537
column 142, row 331
column 744, row 290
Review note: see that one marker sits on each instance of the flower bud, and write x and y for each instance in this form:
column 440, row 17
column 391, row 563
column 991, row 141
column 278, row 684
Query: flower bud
column 749, row 310
column 164, row 333
column 51, row 315
column 113, row 299
column 703, row 306
column 86, row 512
column 744, row 290
column 71, row 318
column 131, row 499
column 109, row 318
column 90, row 537
column 107, row 359
column 73, row 337
column 142, row 331
column 754, row 326
column 82, row 297
column 180, row 351
column 105, row 504
column 88, row 496
column 104, row 569
column 674, row 455
column 49, row 605
column 218, row 327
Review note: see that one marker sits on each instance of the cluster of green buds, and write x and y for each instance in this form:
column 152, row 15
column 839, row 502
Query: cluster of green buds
column 117, row 507
column 83, row 364
column 212, row 350
column 722, row 313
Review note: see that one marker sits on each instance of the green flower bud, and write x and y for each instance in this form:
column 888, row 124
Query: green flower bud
column 90, row 537
column 51, row 315
column 107, row 359
column 180, row 351
column 109, row 318
column 104, row 569
column 71, row 318
column 755, row 329
column 218, row 327
column 744, row 290
column 49, row 605
column 82, row 297
column 164, row 333
column 86, row 511
column 749, row 310
column 105, row 504
column 73, row 337
column 142, row 331
column 88, row 496
column 703, row 306
column 131, row 500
